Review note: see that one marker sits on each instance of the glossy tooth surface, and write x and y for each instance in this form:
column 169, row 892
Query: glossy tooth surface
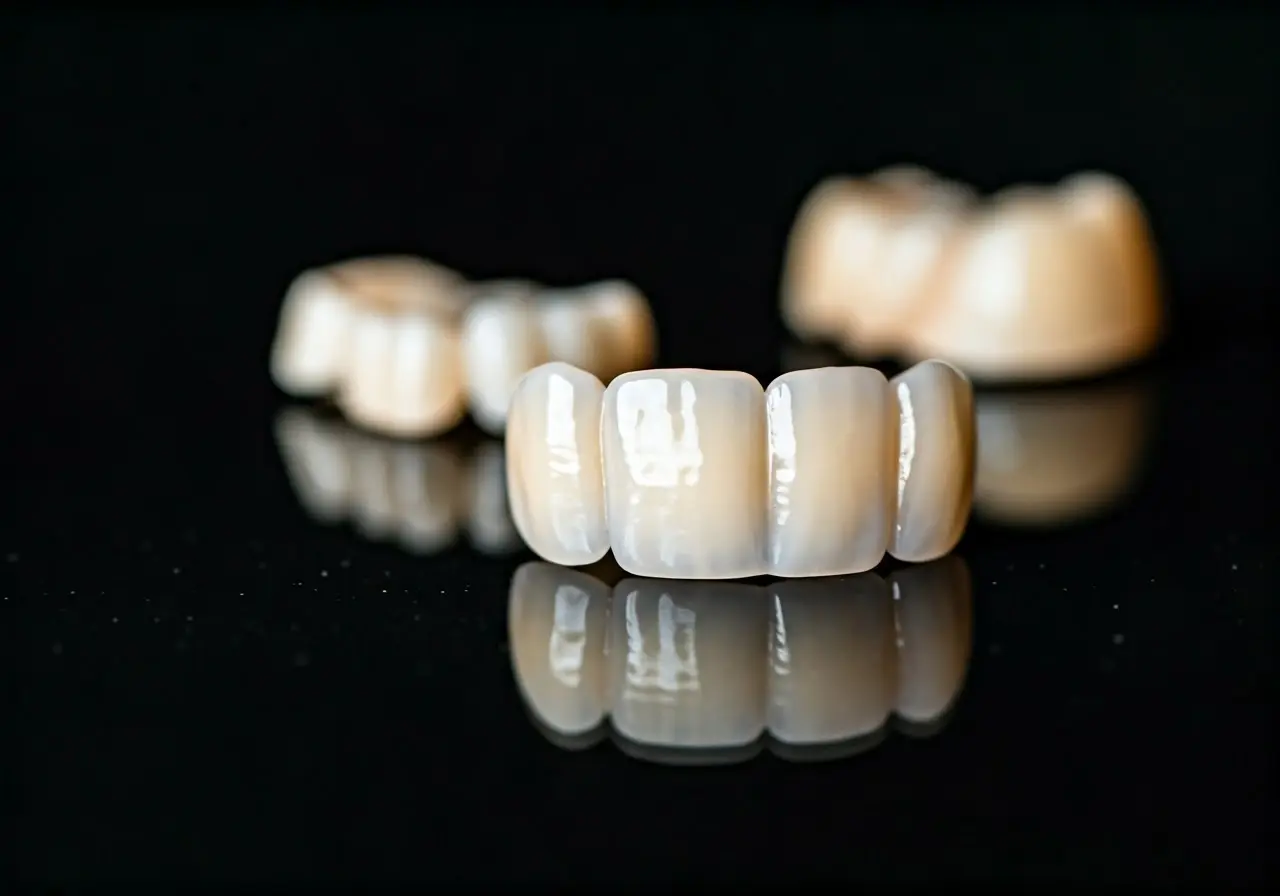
column 686, row 663
column 309, row 355
column 488, row 517
column 1051, row 458
column 1031, row 291
column 833, row 664
column 554, row 474
column 557, row 623
column 502, row 341
column 934, row 622
column 404, row 377
column 833, row 453
column 935, row 460
column 685, row 459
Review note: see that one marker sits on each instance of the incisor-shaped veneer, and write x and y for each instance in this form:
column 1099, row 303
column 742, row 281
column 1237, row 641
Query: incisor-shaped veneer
column 702, row 474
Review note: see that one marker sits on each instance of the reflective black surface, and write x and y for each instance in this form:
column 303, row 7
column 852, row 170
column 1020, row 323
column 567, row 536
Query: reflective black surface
column 214, row 673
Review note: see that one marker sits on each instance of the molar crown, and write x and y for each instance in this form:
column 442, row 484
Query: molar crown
column 1035, row 283
column 702, row 474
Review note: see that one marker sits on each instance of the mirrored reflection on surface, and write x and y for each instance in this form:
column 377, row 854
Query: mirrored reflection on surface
column 1047, row 457
column 1057, row 457
column 698, row 672
column 420, row 495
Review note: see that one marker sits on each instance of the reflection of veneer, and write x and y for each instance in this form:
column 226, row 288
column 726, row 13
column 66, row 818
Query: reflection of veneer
column 1054, row 457
column 419, row 494
column 705, row 672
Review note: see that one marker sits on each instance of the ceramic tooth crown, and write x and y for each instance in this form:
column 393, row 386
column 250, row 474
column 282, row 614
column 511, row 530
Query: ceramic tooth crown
column 935, row 460
column 402, row 375
column 311, row 354
column 1031, row 290
column 502, row 340
column 702, row 474
column 555, row 474
column 833, row 445
column 406, row 346
column 862, row 253
column 684, row 460
column 1035, row 283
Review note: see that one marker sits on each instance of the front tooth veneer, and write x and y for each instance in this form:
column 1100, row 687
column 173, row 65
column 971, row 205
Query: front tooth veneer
column 406, row 346
column 701, row 474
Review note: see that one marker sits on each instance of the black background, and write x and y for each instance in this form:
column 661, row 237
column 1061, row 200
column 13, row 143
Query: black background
column 168, row 174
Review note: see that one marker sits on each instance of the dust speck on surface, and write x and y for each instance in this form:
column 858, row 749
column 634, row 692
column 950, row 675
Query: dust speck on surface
column 300, row 659
column 57, row 648
column 177, row 570
column 324, row 573
column 1117, row 639
column 12, row 557
column 115, row 618
column 1235, row 566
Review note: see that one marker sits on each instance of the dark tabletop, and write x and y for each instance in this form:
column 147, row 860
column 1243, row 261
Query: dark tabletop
column 215, row 673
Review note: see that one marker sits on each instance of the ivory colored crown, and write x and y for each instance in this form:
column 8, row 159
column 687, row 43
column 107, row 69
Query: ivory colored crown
column 1033, row 284
column 704, row 474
